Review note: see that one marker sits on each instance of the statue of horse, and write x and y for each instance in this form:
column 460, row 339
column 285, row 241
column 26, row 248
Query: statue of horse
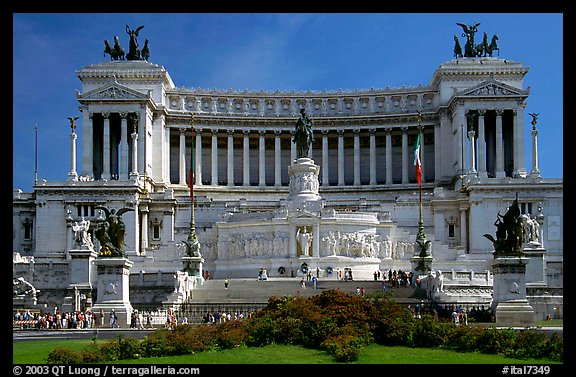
column 493, row 46
column 482, row 47
column 303, row 136
column 457, row 47
column 116, row 52
column 145, row 51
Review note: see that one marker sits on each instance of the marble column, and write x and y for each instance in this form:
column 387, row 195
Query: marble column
column 499, row 146
column 535, row 170
column 463, row 238
column 316, row 241
column 388, row 132
column 325, row 179
column 404, row 155
column 144, row 233
column 182, row 159
column 261, row 158
column 87, row 144
column 198, row 157
column 277, row 159
column 458, row 124
column 481, row 145
column 246, row 158
column 356, row 157
column 106, row 147
column 437, row 152
column 72, row 174
column 123, row 168
column 518, row 137
column 292, row 148
column 134, row 172
column 372, row 156
column 341, row 158
column 230, row 164
column 471, row 135
column 214, row 178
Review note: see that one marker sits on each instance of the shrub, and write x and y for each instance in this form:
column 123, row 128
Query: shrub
column 345, row 347
column 64, row 356
column 496, row 341
column 230, row 334
column 428, row 332
column 92, row 355
column 529, row 344
column 463, row 338
column 261, row 331
column 555, row 348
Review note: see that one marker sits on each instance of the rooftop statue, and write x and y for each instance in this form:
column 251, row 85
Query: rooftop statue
column 471, row 50
column 509, row 232
column 111, row 232
column 303, row 136
column 469, row 31
column 134, row 51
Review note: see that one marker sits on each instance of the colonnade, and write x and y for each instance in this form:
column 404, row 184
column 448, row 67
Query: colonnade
column 321, row 157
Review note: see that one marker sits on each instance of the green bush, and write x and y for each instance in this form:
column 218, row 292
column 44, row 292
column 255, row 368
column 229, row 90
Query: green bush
column 428, row 332
column 64, row 356
column 92, row 355
column 555, row 348
column 496, row 341
column 345, row 347
column 529, row 344
column 230, row 334
column 261, row 331
column 463, row 338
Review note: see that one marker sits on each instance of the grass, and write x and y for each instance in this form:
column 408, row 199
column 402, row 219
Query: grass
column 36, row 352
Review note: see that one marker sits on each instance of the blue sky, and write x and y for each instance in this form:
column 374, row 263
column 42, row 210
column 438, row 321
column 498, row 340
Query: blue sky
column 268, row 51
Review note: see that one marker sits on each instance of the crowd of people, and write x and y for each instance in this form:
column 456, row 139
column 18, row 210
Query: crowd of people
column 57, row 320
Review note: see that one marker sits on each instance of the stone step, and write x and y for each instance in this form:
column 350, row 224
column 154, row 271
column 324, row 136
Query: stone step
column 254, row 291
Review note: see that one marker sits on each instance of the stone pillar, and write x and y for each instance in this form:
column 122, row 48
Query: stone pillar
column 141, row 120
column 87, row 144
column 509, row 292
column 73, row 175
column 316, row 241
column 499, row 146
column 458, row 125
column 246, row 158
column 535, row 170
column 113, row 289
column 134, row 172
column 144, row 233
column 123, row 168
column 198, row 157
column 292, row 148
column 106, row 147
column 404, row 155
column 471, row 135
column 481, row 145
column 372, row 156
column 230, row 164
column 388, row 156
column 277, row 159
column 341, row 158
column 292, row 241
column 518, row 137
column 325, row 171
column 182, row 159
column 261, row 159
column 356, row 157
column 214, row 150
column 463, row 238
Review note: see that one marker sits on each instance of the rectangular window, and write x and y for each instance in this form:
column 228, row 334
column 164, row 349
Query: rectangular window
column 451, row 230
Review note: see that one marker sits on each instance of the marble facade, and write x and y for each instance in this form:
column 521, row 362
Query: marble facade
column 355, row 197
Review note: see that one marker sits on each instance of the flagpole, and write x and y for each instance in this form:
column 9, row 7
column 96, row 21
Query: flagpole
column 36, row 154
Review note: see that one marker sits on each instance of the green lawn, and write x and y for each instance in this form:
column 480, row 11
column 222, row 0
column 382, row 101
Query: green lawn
column 36, row 352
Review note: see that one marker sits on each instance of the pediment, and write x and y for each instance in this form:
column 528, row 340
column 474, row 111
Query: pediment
column 305, row 214
column 493, row 88
column 113, row 91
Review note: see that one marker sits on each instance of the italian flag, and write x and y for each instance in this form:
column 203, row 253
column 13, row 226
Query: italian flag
column 417, row 162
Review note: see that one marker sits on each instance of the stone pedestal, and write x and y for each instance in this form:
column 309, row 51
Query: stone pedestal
column 509, row 301
column 82, row 279
column 113, row 288
column 536, row 267
column 304, row 183
column 421, row 265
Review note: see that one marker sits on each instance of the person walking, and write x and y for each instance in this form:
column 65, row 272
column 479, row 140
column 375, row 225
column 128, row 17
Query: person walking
column 113, row 319
column 226, row 282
